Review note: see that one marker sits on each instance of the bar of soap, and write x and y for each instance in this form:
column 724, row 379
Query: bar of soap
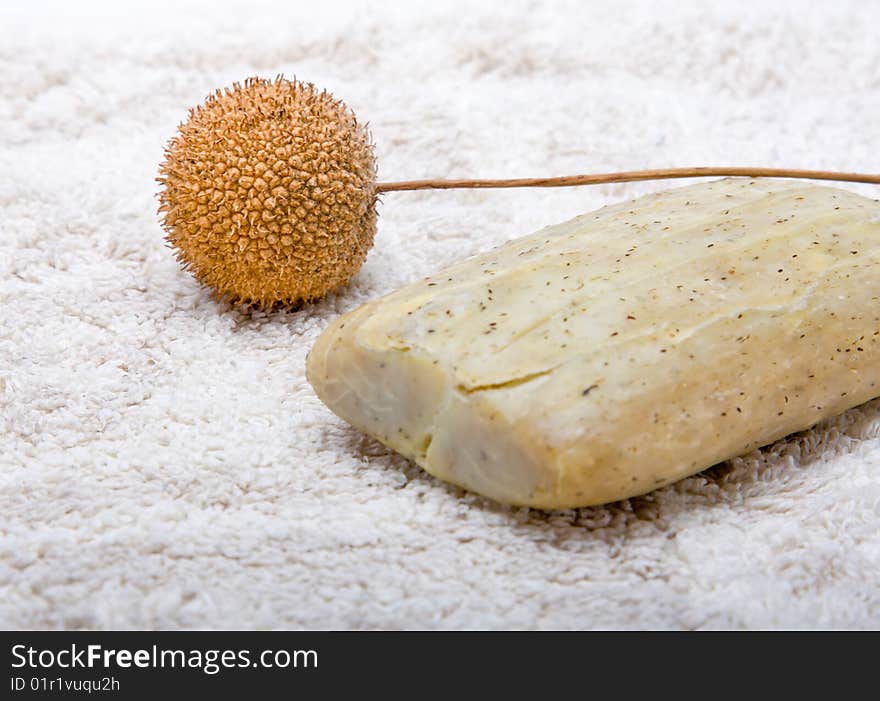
column 625, row 349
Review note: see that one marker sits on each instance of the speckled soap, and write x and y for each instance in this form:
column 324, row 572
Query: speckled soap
column 625, row 349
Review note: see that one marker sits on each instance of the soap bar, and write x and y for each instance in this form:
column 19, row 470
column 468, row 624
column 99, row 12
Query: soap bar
column 630, row 347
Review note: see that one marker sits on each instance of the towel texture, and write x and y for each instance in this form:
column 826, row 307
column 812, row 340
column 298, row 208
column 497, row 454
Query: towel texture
column 166, row 464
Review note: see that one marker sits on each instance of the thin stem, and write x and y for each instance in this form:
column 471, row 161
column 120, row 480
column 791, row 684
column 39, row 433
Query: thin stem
column 629, row 176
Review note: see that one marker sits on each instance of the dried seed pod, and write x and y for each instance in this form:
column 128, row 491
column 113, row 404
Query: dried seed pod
column 270, row 192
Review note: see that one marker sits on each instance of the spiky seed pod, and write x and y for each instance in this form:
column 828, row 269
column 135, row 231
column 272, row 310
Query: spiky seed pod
column 269, row 192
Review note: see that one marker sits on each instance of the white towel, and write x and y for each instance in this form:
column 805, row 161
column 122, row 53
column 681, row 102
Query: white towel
column 166, row 464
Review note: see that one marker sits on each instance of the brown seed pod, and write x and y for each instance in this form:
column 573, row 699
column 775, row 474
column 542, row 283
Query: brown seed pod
column 270, row 192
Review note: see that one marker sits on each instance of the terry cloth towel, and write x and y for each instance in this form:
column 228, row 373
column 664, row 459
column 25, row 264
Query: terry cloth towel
column 166, row 464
